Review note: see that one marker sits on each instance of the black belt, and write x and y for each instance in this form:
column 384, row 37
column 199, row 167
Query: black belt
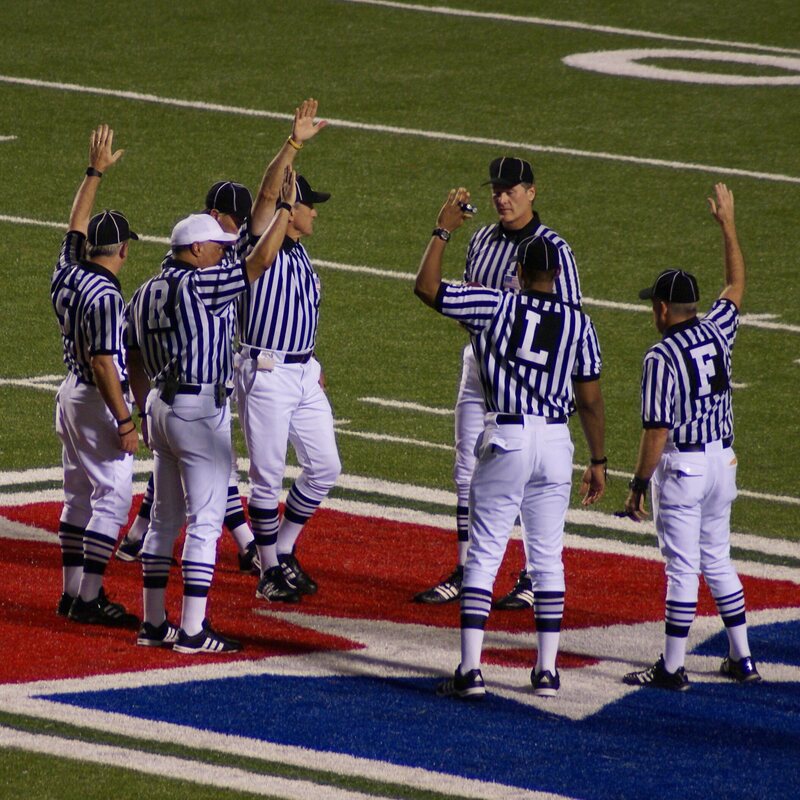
column 168, row 391
column 519, row 419
column 289, row 358
column 700, row 447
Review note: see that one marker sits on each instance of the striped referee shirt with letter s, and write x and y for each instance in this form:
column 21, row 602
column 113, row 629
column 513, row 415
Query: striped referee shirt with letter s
column 686, row 379
column 529, row 347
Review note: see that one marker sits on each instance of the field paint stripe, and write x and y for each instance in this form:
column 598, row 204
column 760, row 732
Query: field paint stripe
column 406, row 406
column 557, row 23
column 753, row 320
column 7, row 138
column 391, row 489
column 178, row 769
column 400, row 131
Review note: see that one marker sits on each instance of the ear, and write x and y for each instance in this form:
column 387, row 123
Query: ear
column 123, row 251
column 532, row 193
column 214, row 213
column 194, row 248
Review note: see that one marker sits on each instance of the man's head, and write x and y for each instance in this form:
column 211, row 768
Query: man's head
column 674, row 295
column 199, row 240
column 513, row 191
column 537, row 263
column 108, row 235
column 301, row 220
column 230, row 204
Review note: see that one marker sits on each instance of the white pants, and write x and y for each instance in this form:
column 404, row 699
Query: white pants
column 469, row 421
column 97, row 473
column 191, row 440
column 523, row 469
column 692, row 497
column 286, row 404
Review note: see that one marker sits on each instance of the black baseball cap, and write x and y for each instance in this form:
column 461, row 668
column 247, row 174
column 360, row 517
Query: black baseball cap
column 306, row 195
column 109, row 227
column 537, row 254
column 231, row 198
column 673, row 286
column 509, row 172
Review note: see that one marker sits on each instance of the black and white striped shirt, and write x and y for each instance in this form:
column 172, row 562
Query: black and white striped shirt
column 686, row 380
column 491, row 259
column 87, row 299
column 529, row 347
column 281, row 309
column 183, row 321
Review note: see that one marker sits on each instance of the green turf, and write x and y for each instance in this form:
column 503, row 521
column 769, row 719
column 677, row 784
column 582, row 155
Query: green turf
column 479, row 78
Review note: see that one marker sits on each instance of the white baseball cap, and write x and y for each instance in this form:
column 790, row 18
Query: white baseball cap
column 199, row 228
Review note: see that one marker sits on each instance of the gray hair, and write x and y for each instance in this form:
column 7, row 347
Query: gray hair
column 95, row 250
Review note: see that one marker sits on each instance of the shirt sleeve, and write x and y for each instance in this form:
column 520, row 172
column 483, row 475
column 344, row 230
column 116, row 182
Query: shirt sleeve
column 472, row 306
column 658, row 392
column 725, row 315
column 588, row 360
column 71, row 251
column 568, row 285
column 131, row 339
column 218, row 287
column 103, row 322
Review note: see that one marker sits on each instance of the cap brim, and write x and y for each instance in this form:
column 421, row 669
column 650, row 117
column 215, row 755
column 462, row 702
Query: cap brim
column 646, row 294
column 225, row 238
column 132, row 235
column 320, row 197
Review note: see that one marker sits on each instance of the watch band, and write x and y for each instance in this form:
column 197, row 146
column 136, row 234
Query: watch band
column 442, row 234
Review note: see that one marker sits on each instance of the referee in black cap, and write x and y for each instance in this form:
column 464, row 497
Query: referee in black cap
column 686, row 457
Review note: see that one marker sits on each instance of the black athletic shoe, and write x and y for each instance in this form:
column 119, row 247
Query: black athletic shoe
column 658, row 677
column 274, row 587
column 129, row 550
column 519, row 598
column 64, row 605
column 163, row 635
column 249, row 561
column 207, row 641
column 296, row 575
column 545, row 684
column 447, row 590
column 101, row 611
column 464, row 687
column 744, row 670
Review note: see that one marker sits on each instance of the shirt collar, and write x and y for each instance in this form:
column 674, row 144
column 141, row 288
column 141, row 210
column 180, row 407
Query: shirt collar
column 289, row 244
column 681, row 326
column 522, row 233
column 98, row 269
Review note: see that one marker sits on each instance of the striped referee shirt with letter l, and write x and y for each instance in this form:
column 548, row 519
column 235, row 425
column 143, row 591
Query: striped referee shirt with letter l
column 491, row 259
column 686, row 380
column 529, row 347
column 88, row 302
column 183, row 322
column 280, row 311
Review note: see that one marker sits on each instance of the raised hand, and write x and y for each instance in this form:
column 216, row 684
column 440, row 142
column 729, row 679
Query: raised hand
column 451, row 215
column 303, row 127
column 101, row 151
column 722, row 207
column 289, row 186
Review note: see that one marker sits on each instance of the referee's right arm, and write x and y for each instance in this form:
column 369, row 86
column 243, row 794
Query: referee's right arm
column 723, row 212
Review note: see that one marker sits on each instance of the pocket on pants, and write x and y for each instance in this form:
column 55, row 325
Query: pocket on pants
column 499, row 439
column 245, row 372
column 683, row 482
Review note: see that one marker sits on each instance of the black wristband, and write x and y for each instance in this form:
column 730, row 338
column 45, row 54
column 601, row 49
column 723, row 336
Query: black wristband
column 598, row 461
column 639, row 485
column 441, row 233
column 93, row 173
column 121, row 422
column 283, row 204
column 125, row 433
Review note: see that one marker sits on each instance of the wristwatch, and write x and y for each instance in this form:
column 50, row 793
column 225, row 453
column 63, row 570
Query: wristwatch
column 442, row 233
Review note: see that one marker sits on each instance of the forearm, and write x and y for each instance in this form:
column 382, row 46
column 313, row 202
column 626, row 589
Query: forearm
column 651, row 446
column 83, row 204
column 429, row 274
column 107, row 382
column 734, row 265
column 140, row 383
column 269, row 190
column 267, row 247
column 591, row 412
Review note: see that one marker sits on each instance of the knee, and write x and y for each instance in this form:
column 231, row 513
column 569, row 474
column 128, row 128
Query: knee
column 322, row 477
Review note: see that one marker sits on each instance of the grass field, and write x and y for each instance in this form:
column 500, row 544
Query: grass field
column 418, row 102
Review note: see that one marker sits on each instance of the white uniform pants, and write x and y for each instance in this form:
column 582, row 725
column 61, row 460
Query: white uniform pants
column 469, row 421
column 97, row 473
column 692, row 497
column 523, row 469
column 191, row 440
column 286, row 404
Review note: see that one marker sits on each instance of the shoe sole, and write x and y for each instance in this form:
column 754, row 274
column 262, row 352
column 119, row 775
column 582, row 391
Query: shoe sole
column 125, row 557
column 512, row 605
column 435, row 601
column 545, row 692
column 749, row 679
column 154, row 643
column 194, row 651
column 294, row 598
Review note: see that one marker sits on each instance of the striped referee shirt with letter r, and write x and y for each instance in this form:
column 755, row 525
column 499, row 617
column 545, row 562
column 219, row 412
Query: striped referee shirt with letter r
column 280, row 311
column 183, row 321
column 88, row 302
column 529, row 347
column 686, row 380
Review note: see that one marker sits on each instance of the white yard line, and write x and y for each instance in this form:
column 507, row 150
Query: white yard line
column 558, row 23
column 175, row 768
column 762, row 321
column 401, row 131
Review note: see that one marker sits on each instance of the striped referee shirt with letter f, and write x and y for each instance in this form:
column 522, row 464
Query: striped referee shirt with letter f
column 686, row 380
column 530, row 347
